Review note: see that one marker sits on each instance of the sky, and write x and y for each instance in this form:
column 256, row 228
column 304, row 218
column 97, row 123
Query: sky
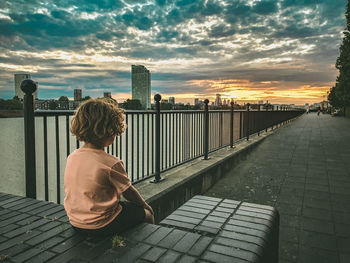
column 282, row 51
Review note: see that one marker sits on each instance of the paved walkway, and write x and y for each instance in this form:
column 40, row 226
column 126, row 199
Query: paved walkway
column 303, row 170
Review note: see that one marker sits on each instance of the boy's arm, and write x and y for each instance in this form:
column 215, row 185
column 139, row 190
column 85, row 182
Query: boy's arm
column 132, row 195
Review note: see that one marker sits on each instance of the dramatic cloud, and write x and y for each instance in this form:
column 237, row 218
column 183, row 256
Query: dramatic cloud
column 276, row 50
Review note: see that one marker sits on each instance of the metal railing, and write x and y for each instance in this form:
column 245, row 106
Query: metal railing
column 154, row 141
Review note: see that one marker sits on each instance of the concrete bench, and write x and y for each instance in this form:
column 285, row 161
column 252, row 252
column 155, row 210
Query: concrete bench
column 235, row 231
column 204, row 229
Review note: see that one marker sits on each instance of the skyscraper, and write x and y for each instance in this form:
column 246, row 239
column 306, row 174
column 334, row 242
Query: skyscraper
column 77, row 95
column 172, row 100
column 18, row 80
column 141, row 85
column 107, row 95
column 218, row 101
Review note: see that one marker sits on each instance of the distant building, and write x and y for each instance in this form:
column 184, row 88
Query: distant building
column 260, row 102
column 78, row 95
column 107, row 95
column 196, row 101
column 218, row 101
column 141, row 85
column 18, row 80
column 172, row 100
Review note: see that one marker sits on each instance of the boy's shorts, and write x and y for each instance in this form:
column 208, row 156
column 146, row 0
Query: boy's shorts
column 131, row 215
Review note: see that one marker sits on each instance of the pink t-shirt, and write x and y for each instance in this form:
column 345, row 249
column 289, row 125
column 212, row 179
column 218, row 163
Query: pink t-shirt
column 93, row 183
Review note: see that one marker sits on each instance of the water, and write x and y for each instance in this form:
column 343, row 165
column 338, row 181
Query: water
column 12, row 176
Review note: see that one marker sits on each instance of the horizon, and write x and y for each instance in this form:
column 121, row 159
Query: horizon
column 281, row 51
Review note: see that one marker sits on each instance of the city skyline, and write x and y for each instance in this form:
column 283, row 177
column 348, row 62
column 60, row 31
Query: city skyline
column 282, row 51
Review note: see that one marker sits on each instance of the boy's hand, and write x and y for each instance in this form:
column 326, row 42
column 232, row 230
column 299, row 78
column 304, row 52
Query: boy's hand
column 148, row 207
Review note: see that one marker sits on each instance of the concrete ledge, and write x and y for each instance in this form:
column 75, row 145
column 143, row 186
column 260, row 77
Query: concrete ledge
column 195, row 177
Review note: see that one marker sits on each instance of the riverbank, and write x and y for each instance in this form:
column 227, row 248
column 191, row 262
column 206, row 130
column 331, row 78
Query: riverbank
column 11, row 113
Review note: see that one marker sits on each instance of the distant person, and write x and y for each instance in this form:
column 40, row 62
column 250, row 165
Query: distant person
column 318, row 111
column 95, row 180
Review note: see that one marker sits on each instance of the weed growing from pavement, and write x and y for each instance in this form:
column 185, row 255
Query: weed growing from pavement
column 118, row 241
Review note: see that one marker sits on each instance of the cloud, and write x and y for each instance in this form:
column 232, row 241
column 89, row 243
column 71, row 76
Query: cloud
column 93, row 43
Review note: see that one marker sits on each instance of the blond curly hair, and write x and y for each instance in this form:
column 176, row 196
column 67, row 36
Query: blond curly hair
column 96, row 120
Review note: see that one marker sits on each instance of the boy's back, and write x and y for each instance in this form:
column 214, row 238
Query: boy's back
column 93, row 182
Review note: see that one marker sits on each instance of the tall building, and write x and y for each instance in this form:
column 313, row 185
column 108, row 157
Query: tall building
column 78, row 95
column 218, row 101
column 18, row 80
column 196, row 101
column 172, row 100
column 141, row 85
column 107, row 95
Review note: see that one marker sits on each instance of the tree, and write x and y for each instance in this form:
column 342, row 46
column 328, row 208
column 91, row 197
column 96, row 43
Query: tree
column 52, row 105
column 132, row 105
column 63, row 98
column 339, row 95
column 86, row 98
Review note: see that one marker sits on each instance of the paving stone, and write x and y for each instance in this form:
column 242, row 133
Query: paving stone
column 24, row 204
column 46, row 235
column 170, row 257
column 67, row 244
column 186, row 259
column 318, row 240
column 170, row 240
column 7, row 228
column 290, row 234
column 288, row 252
column 223, row 209
column 220, row 214
column 200, row 246
column 246, row 230
column 256, row 226
column 313, row 255
column 209, row 198
column 243, row 237
column 202, row 202
column 321, row 226
column 135, row 253
column 48, row 243
column 216, row 219
column 26, row 228
column 9, row 200
column 154, row 254
column 188, row 214
column 194, row 209
column 28, row 220
column 24, row 256
column 240, row 244
column 14, row 250
column 13, row 219
column 42, row 257
column 184, row 219
column 17, row 240
column 8, row 214
column 186, row 242
column 177, row 224
column 211, row 224
column 252, row 220
column 158, row 235
column 343, row 244
column 232, row 252
column 317, row 213
column 141, row 232
column 215, row 257
column 206, row 229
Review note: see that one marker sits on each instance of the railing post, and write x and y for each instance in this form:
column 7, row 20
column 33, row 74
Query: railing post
column 157, row 178
column 231, row 126
column 266, row 117
column 248, row 106
column 259, row 120
column 206, row 130
column 28, row 86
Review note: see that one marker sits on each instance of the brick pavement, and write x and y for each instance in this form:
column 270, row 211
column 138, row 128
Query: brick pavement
column 204, row 229
column 304, row 171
